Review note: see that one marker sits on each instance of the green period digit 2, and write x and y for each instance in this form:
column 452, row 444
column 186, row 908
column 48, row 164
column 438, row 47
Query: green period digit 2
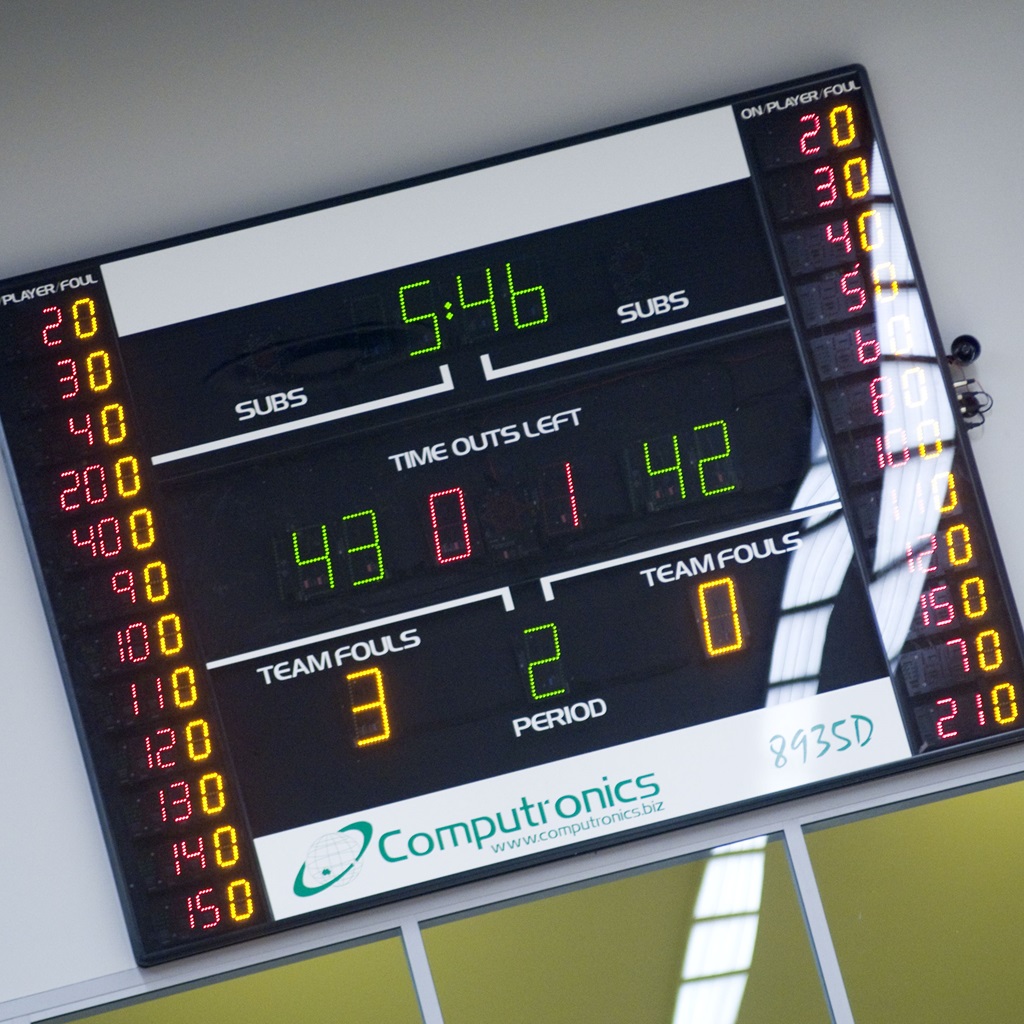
column 556, row 653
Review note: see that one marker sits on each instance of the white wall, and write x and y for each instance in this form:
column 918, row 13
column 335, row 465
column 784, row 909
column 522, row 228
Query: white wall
column 124, row 122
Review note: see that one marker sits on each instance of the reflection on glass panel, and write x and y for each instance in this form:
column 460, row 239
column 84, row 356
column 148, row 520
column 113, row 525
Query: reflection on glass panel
column 719, row 940
column 924, row 907
column 370, row 983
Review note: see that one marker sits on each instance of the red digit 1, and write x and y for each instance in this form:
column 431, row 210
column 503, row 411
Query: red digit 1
column 572, row 496
column 450, row 524
column 979, row 704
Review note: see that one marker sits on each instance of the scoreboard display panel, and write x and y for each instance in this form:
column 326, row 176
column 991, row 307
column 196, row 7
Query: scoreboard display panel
column 516, row 510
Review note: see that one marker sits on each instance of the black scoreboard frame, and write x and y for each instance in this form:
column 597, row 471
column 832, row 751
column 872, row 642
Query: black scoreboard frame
column 301, row 549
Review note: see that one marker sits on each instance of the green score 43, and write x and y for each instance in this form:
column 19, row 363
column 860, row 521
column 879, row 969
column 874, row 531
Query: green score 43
column 420, row 303
column 311, row 548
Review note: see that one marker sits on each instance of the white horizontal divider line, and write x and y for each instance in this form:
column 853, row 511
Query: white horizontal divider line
column 310, row 421
column 490, row 373
column 505, row 593
column 546, row 582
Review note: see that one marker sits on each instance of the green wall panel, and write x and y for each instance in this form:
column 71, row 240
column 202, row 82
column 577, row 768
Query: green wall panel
column 925, row 907
column 361, row 983
column 615, row 952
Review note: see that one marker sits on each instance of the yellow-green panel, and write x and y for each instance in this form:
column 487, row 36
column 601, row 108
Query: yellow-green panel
column 616, row 951
column 926, row 910
column 362, row 983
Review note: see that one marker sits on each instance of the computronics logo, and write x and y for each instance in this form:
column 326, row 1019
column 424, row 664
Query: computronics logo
column 335, row 857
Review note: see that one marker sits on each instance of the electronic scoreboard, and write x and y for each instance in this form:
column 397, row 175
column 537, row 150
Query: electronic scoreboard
column 528, row 507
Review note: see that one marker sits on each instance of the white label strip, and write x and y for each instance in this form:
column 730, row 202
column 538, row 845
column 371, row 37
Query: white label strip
column 646, row 782
column 422, row 222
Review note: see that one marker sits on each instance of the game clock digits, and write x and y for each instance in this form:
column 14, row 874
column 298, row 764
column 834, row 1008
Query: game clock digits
column 416, row 536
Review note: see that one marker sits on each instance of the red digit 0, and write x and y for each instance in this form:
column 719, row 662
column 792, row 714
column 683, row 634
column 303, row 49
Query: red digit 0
column 451, row 531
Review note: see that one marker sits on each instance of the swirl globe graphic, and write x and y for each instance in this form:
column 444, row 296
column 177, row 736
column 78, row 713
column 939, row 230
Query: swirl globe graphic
column 334, row 858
